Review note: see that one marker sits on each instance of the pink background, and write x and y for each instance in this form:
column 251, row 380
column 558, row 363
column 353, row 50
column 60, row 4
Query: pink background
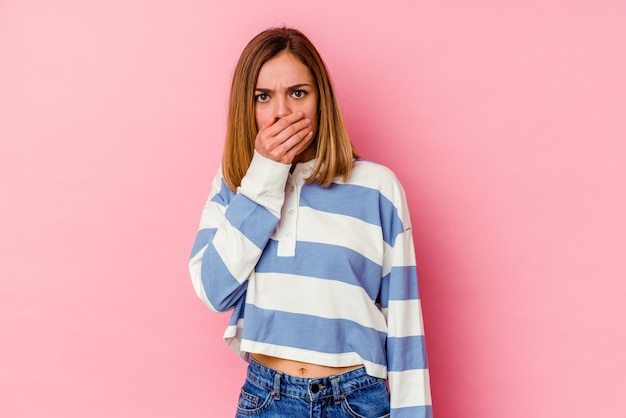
column 505, row 121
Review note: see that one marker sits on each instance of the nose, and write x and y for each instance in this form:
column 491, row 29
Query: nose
column 282, row 107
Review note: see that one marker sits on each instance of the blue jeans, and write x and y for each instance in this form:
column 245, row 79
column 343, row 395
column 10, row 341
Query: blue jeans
column 268, row 393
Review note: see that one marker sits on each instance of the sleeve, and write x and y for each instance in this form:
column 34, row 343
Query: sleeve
column 408, row 378
column 234, row 229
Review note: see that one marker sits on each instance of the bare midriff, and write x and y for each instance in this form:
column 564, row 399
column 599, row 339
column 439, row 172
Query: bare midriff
column 298, row 368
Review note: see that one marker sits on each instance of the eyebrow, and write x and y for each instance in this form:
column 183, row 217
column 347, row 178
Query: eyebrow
column 290, row 88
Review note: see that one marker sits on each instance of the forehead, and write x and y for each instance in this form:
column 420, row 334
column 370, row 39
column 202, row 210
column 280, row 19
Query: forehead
column 284, row 70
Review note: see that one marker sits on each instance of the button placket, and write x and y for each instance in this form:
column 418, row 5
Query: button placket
column 288, row 224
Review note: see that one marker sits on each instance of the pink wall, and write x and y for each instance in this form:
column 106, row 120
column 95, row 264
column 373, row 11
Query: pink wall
column 504, row 120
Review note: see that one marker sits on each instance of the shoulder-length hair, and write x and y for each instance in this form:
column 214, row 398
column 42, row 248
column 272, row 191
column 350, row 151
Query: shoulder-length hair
column 335, row 153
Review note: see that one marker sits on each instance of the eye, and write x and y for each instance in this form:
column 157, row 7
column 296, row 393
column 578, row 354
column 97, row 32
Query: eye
column 261, row 98
column 298, row 94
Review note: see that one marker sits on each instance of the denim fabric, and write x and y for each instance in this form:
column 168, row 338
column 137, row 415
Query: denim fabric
column 268, row 393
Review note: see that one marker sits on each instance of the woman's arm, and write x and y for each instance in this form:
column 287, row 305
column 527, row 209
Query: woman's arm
column 234, row 229
column 409, row 381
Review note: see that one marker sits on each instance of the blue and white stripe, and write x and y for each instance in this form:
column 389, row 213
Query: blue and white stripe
column 322, row 275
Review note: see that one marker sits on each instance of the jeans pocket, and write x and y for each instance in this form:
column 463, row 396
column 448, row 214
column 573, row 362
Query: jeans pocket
column 253, row 399
column 368, row 402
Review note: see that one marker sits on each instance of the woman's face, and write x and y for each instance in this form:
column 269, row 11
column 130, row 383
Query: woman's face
column 284, row 86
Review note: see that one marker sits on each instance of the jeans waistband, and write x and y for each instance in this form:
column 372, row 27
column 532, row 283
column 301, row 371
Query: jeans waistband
column 335, row 386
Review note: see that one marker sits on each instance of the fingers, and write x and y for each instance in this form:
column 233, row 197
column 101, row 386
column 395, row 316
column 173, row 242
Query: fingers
column 281, row 140
column 278, row 125
column 267, row 124
column 296, row 144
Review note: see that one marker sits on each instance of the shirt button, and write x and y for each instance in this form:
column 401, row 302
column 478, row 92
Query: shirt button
column 291, row 211
column 288, row 234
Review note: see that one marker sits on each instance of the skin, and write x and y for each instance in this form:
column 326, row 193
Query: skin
column 286, row 102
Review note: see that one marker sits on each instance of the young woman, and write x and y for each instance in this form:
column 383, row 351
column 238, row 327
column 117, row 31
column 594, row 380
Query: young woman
column 311, row 248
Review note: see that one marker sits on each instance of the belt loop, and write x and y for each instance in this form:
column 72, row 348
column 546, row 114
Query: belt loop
column 337, row 395
column 276, row 390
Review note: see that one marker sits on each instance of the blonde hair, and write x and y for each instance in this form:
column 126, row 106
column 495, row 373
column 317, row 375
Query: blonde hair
column 335, row 153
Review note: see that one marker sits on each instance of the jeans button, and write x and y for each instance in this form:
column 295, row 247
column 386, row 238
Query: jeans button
column 315, row 388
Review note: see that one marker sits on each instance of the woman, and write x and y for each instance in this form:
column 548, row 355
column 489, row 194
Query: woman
column 311, row 247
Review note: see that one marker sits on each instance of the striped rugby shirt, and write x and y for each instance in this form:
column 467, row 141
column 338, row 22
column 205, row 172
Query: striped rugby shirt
column 319, row 275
